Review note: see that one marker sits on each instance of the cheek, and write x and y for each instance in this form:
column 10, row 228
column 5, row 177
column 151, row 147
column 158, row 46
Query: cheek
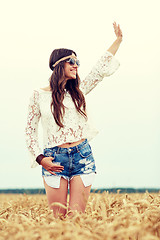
column 66, row 70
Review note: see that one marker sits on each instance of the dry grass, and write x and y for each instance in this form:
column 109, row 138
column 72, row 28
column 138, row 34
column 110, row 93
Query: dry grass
column 108, row 216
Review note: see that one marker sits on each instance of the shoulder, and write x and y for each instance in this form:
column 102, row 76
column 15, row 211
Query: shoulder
column 40, row 91
column 47, row 89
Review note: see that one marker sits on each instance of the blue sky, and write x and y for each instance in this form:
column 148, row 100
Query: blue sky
column 124, row 107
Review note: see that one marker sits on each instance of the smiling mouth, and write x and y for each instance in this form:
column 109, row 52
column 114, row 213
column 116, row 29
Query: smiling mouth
column 73, row 71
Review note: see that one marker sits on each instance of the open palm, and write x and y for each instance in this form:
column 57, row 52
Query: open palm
column 117, row 30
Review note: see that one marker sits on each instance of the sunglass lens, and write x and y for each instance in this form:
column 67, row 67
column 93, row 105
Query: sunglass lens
column 78, row 63
column 72, row 61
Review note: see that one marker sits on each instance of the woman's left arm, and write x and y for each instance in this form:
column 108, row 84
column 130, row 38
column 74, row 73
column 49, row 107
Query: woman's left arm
column 105, row 66
column 114, row 47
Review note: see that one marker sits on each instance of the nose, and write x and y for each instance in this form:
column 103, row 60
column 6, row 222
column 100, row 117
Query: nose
column 75, row 66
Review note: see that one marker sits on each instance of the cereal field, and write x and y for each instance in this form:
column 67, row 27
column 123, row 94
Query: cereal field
column 108, row 216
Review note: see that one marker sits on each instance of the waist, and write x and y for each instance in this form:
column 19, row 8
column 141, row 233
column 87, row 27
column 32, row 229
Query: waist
column 70, row 149
column 72, row 144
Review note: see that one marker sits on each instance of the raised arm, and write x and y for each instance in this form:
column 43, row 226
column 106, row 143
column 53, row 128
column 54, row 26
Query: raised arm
column 114, row 47
column 31, row 130
column 105, row 66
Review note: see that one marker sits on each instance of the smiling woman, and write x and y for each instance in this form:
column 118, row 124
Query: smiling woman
column 67, row 156
column 65, row 78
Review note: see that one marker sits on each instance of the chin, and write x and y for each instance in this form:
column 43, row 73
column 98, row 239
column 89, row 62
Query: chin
column 73, row 77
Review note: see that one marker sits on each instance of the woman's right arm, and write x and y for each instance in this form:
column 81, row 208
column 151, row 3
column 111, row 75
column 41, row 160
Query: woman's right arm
column 31, row 130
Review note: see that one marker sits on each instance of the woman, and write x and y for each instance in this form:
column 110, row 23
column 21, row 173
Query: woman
column 67, row 156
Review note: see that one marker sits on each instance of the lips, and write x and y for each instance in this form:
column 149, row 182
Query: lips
column 74, row 71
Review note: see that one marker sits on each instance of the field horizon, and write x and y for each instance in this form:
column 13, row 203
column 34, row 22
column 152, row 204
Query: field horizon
column 94, row 190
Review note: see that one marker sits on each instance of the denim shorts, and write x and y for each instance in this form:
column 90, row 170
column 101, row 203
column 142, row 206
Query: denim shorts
column 77, row 160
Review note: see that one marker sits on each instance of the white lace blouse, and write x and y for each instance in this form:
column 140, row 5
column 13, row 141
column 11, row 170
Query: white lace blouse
column 76, row 127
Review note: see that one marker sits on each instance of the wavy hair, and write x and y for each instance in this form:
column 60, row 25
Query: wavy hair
column 59, row 84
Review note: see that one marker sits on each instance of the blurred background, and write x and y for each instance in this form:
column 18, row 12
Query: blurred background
column 124, row 107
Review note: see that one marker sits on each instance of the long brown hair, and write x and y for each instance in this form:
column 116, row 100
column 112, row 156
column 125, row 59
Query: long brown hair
column 58, row 84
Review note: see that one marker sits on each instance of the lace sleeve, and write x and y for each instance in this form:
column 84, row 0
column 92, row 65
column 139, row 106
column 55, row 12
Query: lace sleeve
column 31, row 130
column 105, row 67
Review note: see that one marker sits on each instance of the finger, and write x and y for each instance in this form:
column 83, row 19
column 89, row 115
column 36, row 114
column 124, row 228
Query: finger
column 114, row 25
column 119, row 28
column 55, row 170
column 120, row 32
column 58, row 166
column 115, row 28
column 52, row 172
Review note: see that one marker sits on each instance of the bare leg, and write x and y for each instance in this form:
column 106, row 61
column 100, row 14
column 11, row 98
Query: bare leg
column 78, row 194
column 57, row 195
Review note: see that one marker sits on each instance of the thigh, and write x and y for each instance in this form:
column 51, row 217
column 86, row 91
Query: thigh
column 78, row 194
column 57, row 195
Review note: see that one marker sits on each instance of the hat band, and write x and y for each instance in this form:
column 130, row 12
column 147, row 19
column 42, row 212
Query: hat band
column 61, row 59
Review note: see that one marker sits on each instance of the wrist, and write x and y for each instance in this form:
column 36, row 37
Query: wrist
column 119, row 39
column 39, row 158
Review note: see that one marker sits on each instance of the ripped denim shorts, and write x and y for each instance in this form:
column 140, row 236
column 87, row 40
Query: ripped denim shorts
column 77, row 160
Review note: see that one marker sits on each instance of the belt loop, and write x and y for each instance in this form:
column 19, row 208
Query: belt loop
column 77, row 148
column 58, row 149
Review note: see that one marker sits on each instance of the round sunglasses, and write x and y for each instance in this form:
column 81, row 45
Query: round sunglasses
column 72, row 61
